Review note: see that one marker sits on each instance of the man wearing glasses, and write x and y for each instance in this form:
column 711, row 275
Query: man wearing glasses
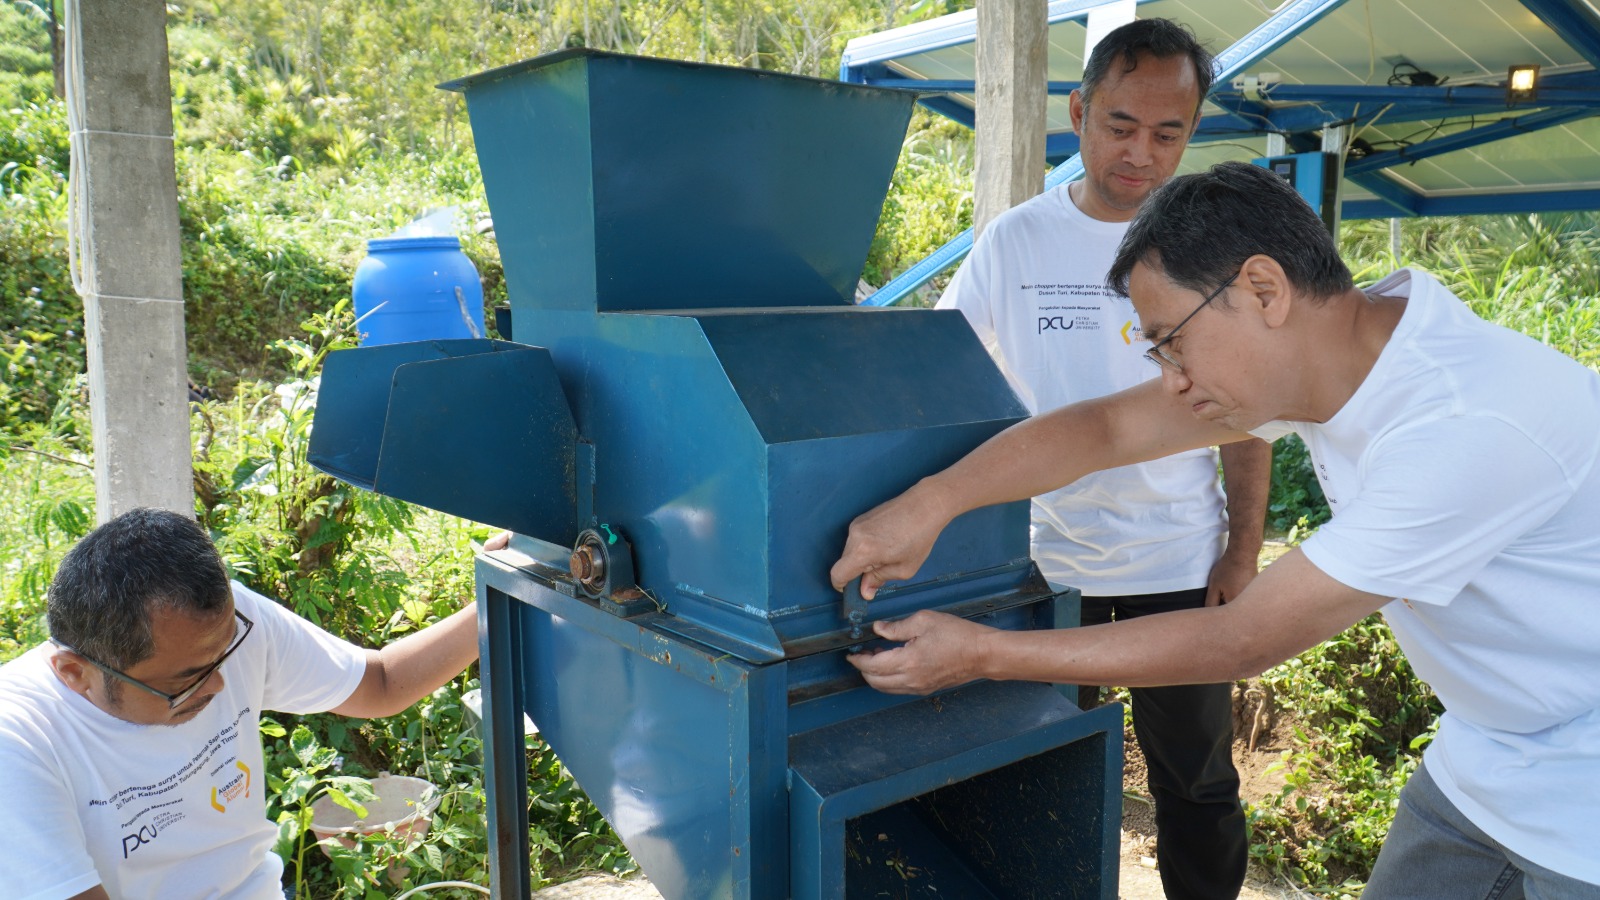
column 129, row 742
column 1145, row 539
column 1462, row 468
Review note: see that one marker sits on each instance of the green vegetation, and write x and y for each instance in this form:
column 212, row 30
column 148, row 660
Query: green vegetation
column 306, row 127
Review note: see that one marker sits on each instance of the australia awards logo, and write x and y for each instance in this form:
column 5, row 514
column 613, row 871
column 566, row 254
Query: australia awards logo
column 236, row 787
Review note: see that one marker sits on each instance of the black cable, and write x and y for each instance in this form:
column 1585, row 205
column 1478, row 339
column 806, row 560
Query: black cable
column 1416, row 77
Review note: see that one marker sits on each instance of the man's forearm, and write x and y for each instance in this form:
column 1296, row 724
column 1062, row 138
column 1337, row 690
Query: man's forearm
column 1054, row 449
column 1247, row 478
column 890, row 541
column 1289, row 608
column 414, row 666
column 1190, row 646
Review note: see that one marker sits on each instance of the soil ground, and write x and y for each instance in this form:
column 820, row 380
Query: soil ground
column 1260, row 737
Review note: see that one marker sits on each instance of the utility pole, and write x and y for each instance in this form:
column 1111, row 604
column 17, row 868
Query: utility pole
column 125, row 233
column 1010, row 96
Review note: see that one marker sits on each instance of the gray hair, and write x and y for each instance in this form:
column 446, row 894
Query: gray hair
column 1199, row 229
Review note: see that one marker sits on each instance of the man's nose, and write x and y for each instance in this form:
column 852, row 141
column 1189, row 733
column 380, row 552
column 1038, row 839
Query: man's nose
column 1141, row 150
column 1175, row 380
column 213, row 685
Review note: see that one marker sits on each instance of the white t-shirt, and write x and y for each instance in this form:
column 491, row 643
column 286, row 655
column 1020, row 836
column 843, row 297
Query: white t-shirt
column 1034, row 291
column 1462, row 476
column 153, row 811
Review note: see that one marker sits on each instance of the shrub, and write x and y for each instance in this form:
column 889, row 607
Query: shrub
column 1296, row 496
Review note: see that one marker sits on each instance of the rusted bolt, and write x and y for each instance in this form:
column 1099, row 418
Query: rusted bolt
column 588, row 565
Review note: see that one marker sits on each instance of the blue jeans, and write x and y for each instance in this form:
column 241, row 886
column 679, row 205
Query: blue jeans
column 1433, row 852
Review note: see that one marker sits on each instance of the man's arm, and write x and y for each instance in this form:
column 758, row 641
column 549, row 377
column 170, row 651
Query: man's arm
column 1033, row 457
column 414, row 666
column 1247, row 478
column 98, row 892
column 1290, row 607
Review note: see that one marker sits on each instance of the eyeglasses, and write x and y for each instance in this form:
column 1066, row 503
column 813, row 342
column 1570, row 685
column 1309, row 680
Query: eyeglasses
column 1158, row 356
column 174, row 700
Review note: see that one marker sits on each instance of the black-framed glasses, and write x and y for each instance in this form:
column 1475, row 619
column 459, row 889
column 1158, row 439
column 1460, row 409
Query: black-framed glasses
column 1158, row 356
column 174, row 700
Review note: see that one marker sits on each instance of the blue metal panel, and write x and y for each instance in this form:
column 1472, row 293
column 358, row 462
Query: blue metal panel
column 821, row 684
column 935, row 34
column 950, row 109
column 993, row 772
column 809, row 374
column 1568, row 19
column 1289, row 21
column 679, row 464
column 381, row 412
column 768, row 432
column 953, row 86
column 538, row 159
column 1395, row 199
column 815, row 494
column 1482, row 204
column 765, row 206
column 687, row 753
column 682, row 749
column 1283, row 26
column 1465, row 139
column 1556, row 90
column 505, row 761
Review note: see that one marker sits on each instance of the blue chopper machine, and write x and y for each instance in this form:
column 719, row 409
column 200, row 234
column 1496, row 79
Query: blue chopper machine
column 693, row 413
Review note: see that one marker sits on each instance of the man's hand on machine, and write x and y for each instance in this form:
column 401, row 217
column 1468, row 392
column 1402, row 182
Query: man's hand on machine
column 891, row 541
column 936, row 651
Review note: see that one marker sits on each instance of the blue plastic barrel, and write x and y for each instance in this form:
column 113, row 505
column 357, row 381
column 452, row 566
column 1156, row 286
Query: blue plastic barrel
column 416, row 289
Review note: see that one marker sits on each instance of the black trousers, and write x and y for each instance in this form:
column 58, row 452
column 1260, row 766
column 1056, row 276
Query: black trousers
column 1186, row 733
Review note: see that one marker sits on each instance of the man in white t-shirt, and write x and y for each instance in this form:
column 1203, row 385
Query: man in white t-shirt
column 1148, row 538
column 1461, row 463
column 129, row 743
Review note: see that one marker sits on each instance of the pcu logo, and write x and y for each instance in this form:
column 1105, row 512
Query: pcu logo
column 1054, row 323
column 138, row 839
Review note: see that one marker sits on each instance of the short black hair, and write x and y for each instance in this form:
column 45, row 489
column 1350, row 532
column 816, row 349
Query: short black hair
column 1199, row 229
column 106, row 587
column 1160, row 38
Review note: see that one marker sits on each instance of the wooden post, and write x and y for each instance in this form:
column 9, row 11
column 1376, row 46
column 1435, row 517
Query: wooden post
column 1010, row 95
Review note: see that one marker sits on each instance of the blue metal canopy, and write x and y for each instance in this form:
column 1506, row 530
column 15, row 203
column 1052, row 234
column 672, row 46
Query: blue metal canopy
column 1420, row 83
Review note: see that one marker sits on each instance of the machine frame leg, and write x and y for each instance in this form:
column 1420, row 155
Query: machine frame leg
column 505, row 758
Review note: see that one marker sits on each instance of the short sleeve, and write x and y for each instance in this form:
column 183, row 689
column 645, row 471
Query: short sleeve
column 1437, row 502
column 1271, row 431
column 46, row 856
column 969, row 291
column 308, row 669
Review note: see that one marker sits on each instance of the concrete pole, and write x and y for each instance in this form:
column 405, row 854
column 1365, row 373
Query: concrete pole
column 126, row 204
column 1010, row 95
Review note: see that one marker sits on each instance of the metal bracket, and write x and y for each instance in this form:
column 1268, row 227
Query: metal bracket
column 855, row 611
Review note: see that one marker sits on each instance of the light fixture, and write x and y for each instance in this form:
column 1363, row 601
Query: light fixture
column 1522, row 84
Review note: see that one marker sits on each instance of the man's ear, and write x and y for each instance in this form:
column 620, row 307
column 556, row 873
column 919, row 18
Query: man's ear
column 73, row 671
column 1267, row 288
column 1075, row 109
